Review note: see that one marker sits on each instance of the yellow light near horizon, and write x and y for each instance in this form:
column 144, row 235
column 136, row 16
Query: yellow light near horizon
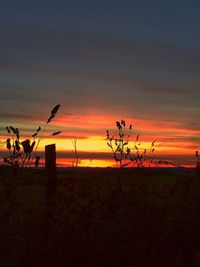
column 97, row 163
column 95, row 144
column 91, row 144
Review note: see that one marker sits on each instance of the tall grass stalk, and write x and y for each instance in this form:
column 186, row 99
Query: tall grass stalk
column 52, row 115
column 76, row 157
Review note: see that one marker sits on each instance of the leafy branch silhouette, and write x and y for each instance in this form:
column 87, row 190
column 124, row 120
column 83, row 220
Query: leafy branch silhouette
column 122, row 153
column 119, row 143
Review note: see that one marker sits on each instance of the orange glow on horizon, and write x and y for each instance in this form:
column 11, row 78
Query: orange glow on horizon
column 102, row 163
column 90, row 133
column 96, row 122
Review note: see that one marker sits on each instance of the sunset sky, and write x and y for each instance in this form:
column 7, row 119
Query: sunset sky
column 103, row 61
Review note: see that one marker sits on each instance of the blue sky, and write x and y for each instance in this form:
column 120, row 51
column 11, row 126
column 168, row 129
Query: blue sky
column 135, row 59
column 162, row 21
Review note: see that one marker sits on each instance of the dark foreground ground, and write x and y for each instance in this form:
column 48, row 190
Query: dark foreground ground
column 152, row 220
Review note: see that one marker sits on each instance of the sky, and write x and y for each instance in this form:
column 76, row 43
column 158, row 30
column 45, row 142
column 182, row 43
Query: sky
column 103, row 61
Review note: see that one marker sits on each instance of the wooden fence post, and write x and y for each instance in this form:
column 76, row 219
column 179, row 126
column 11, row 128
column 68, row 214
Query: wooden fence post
column 51, row 173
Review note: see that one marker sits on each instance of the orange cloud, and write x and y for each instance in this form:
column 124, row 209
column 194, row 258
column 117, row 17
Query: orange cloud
column 90, row 131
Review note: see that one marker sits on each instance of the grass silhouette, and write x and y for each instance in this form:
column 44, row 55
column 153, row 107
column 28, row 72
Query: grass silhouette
column 24, row 153
column 76, row 157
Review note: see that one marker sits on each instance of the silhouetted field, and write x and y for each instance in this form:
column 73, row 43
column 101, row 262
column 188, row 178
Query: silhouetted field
column 152, row 220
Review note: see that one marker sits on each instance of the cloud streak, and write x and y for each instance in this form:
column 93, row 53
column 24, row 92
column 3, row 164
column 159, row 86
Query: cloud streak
column 99, row 78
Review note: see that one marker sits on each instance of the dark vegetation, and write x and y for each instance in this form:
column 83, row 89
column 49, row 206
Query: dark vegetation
column 123, row 154
column 23, row 153
column 121, row 217
column 154, row 222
